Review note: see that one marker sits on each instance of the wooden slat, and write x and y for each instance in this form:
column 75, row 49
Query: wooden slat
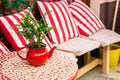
column 115, row 15
column 100, row 61
column 87, row 67
column 106, row 56
column 87, row 58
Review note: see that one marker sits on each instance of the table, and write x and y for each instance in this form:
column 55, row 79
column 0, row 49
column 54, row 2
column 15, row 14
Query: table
column 59, row 67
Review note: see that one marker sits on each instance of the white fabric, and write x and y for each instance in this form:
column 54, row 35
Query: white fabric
column 106, row 37
column 79, row 45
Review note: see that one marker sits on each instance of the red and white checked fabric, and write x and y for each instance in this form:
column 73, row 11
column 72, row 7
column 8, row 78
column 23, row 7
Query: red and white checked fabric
column 86, row 20
column 3, row 48
column 11, row 33
column 58, row 16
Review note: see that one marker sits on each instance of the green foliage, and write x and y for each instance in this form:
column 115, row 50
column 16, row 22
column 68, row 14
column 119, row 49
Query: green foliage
column 34, row 31
column 17, row 5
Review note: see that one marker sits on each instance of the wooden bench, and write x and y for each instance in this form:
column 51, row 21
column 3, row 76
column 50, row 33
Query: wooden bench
column 86, row 45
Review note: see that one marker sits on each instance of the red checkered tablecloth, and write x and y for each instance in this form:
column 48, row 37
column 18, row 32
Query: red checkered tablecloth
column 59, row 67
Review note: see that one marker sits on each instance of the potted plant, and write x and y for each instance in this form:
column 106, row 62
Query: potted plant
column 34, row 32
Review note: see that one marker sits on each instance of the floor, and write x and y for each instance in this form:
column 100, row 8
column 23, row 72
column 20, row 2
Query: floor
column 96, row 74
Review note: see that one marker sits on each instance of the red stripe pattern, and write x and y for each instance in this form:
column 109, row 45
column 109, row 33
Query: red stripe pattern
column 87, row 22
column 11, row 32
column 58, row 16
column 3, row 48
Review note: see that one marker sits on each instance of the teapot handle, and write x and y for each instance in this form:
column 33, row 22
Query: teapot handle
column 20, row 55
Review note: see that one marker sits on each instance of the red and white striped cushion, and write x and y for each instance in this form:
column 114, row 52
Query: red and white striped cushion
column 3, row 48
column 16, row 40
column 6, row 24
column 58, row 16
column 48, row 43
column 87, row 22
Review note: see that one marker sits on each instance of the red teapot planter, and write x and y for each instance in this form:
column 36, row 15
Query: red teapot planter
column 37, row 57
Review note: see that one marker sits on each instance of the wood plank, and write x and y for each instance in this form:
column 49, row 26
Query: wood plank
column 106, row 56
column 87, row 67
column 87, row 58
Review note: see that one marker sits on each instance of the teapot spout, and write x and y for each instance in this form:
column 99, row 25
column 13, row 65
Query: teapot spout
column 51, row 52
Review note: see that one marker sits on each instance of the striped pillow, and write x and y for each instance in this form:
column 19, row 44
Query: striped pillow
column 87, row 22
column 3, row 48
column 58, row 16
column 16, row 40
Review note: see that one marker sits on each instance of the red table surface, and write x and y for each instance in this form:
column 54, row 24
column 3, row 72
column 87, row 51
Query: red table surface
column 59, row 67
